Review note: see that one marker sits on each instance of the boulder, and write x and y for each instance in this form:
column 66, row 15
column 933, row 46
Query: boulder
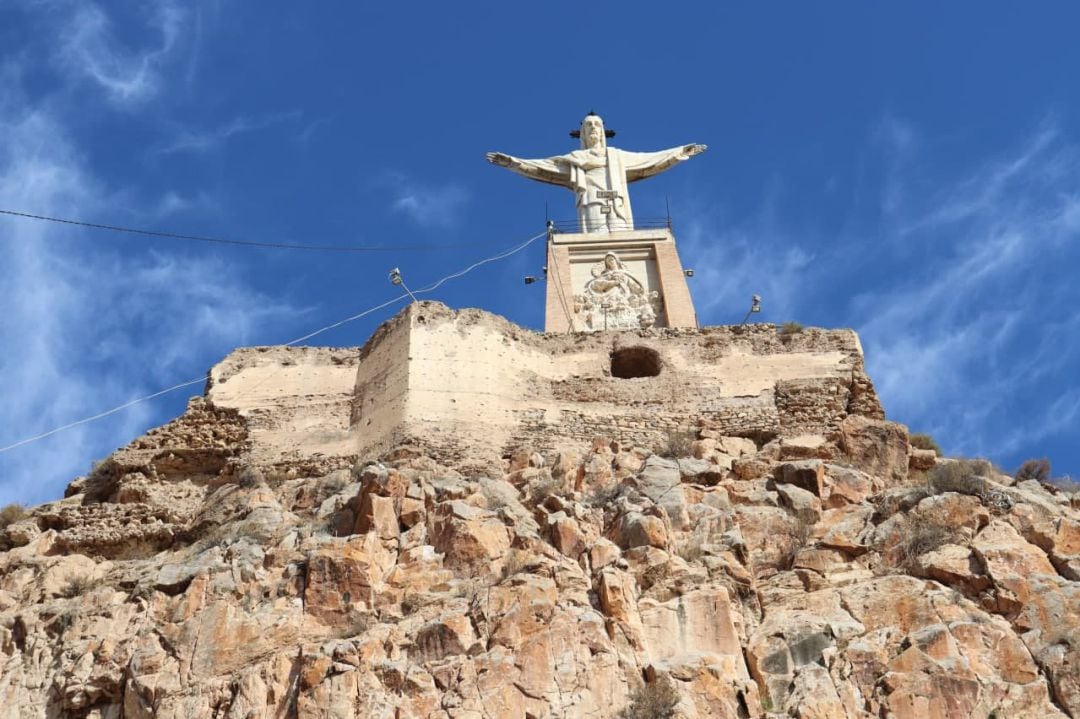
column 468, row 536
column 660, row 480
column 803, row 504
column 807, row 474
column 876, row 446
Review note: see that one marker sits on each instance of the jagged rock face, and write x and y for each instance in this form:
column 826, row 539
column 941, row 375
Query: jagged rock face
column 805, row 577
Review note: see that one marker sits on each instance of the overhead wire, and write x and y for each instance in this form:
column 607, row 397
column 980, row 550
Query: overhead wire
column 241, row 243
column 430, row 288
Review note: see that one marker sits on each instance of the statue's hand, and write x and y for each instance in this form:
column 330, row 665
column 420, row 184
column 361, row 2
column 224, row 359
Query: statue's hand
column 498, row 158
column 692, row 150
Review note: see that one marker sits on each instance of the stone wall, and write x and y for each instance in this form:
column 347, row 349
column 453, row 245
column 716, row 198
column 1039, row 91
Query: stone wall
column 471, row 385
column 475, row 380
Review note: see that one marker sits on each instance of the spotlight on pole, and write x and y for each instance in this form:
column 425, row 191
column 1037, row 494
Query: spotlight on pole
column 755, row 306
column 396, row 279
column 529, row 279
column 688, row 273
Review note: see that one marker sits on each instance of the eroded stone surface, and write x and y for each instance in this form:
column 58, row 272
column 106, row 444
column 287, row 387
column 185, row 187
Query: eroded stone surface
column 204, row 572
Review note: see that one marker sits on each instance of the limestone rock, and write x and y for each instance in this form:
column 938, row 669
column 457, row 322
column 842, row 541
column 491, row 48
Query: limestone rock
column 532, row 559
column 807, row 474
column 660, row 480
column 876, row 447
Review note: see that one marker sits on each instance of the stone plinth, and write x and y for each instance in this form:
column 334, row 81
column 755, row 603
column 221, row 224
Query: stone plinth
column 655, row 282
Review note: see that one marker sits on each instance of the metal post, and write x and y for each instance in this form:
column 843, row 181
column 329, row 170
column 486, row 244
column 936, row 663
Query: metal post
column 396, row 279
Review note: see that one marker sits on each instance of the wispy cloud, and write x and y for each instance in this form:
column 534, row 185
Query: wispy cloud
column 89, row 48
column 173, row 202
column 84, row 327
column 427, row 205
column 188, row 140
column 965, row 338
column 732, row 261
column 960, row 282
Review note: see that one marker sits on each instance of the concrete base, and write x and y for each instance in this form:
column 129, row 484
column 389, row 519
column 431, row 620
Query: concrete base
column 650, row 255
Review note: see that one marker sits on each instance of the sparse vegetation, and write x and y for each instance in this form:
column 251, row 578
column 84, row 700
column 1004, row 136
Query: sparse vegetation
column 677, row 443
column 516, row 562
column 923, row 533
column 655, row 700
column 889, row 503
column 1066, row 484
column 494, row 498
column 1037, row 469
column 544, row 488
column 965, row 476
column 921, row 440
column 276, row 476
column 692, row 550
column 789, row 329
column 793, row 540
column 602, row 495
column 12, row 513
column 469, row 588
column 78, row 586
column 250, row 478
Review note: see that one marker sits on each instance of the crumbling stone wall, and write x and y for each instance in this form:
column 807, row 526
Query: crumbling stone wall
column 472, row 385
column 449, row 376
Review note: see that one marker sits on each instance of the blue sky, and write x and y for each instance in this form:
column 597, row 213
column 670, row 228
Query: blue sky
column 911, row 171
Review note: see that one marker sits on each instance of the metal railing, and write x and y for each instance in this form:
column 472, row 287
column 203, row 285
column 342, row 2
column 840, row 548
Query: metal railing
column 571, row 226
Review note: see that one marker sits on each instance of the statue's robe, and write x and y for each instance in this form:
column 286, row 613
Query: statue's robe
column 591, row 174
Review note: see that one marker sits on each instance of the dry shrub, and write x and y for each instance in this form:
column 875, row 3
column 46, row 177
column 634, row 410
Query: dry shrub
column 1037, row 469
column 250, row 478
column 544, row 488
column 677, row 443
column 789, row 329
column 470, row 588
column 493, row 497
column 517, row 561
column 964, row 476
column 12, row 513
column 921, row 440
column 792, row 541
column 656, row 700
column 899, row 500
column 277, row 476
column 602, row 495
column 1066, row 484
column 78, row 586
column 923, row 533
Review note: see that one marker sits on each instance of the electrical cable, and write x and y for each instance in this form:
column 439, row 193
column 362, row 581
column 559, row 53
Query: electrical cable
column 557, row 279
column 429, row 288
column 242, row 243
column 99, row 415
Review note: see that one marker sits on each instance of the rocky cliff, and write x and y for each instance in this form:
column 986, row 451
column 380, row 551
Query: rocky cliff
column 831, row 571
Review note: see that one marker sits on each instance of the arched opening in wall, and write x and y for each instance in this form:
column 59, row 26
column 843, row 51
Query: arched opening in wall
column 631, row 362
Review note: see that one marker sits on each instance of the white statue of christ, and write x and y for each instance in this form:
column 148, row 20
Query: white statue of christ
column 598, row 174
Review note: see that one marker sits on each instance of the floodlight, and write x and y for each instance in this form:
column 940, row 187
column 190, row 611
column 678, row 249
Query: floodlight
column 396, row 279
column 755, row 306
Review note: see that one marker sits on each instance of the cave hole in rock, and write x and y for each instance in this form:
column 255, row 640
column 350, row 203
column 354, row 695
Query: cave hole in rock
column 631, row 362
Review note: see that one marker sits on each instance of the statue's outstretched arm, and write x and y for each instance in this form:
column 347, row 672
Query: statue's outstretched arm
column 640, row 165
column 549, row 170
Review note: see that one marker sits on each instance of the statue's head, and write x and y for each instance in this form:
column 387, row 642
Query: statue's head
column 592, row 132
column 611, row 261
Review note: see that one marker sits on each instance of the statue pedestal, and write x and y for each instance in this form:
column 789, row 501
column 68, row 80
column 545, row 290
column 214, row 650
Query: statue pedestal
column 644, row 287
